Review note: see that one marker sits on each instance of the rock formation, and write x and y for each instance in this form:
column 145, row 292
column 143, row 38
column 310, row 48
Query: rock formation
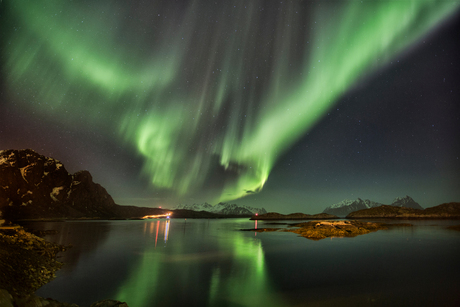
column 34, row 186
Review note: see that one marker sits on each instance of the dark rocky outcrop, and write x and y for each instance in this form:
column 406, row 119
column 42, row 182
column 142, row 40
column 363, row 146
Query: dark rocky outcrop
column 292, row 216
column 443, row 211
column 26, row 263
column 32, row 186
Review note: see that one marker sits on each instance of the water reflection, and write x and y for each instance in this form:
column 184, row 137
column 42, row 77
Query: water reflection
column 226, row 268
column 156, row 230
column 211, row 263
column 88, row 236
column 166, row 230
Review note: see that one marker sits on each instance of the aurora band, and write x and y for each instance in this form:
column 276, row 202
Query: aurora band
column 191, row 103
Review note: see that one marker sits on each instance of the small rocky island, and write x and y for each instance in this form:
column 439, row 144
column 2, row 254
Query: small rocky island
column 317, row 230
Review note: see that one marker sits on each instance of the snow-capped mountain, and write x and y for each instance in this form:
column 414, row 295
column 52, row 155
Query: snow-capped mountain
column 407, row 202
column 223, row 208
column 347, row 206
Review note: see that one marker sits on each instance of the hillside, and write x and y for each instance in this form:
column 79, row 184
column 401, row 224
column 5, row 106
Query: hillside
column 443, row 211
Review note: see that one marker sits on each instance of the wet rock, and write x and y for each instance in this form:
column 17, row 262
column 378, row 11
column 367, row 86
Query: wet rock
column 26, row 261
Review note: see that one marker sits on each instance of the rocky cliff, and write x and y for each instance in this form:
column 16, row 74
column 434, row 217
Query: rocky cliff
column 34, row 186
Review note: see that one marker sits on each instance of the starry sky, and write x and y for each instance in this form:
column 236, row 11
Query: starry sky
column 287, row 105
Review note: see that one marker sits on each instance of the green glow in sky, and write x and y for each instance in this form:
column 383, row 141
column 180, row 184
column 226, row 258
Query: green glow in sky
column 201, row 95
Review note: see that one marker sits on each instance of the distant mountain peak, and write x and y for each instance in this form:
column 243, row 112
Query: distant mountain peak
column 406, row 201
column 347, row 206
column 223, row 208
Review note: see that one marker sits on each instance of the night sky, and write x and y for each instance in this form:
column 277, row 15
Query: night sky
column 287, row 105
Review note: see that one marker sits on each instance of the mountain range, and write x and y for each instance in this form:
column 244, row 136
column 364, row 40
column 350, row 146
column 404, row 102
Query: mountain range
column 223, row 208
column 347, row 206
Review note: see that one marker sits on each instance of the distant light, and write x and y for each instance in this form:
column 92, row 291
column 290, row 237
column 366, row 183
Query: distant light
column 257, row 214
column 159, row 207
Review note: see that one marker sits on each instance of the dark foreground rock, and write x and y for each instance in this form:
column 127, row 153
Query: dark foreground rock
column 293, row 216
column 443, row 211
column 27, row 262
column 34, row 186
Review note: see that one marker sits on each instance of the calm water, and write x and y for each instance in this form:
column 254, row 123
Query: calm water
column 212, row 263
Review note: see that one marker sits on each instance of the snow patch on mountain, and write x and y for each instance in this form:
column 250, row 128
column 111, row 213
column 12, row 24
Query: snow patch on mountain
column 347, row 206
column 223, row 208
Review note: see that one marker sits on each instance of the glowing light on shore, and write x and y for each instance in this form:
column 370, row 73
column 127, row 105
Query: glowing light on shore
column 158, row 216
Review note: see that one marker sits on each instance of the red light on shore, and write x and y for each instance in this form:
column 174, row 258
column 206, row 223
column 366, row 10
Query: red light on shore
column 159, row 207
column 159, row 216
column 257, row 214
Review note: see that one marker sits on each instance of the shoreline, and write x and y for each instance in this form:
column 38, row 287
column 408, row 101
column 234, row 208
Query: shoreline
column 27, row 263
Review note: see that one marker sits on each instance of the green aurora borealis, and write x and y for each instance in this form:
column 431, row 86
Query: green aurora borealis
column 209, row 95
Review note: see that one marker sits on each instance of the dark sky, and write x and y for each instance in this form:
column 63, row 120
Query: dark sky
column 295, row 105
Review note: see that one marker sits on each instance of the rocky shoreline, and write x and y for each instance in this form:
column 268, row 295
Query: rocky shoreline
column 27, row 262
